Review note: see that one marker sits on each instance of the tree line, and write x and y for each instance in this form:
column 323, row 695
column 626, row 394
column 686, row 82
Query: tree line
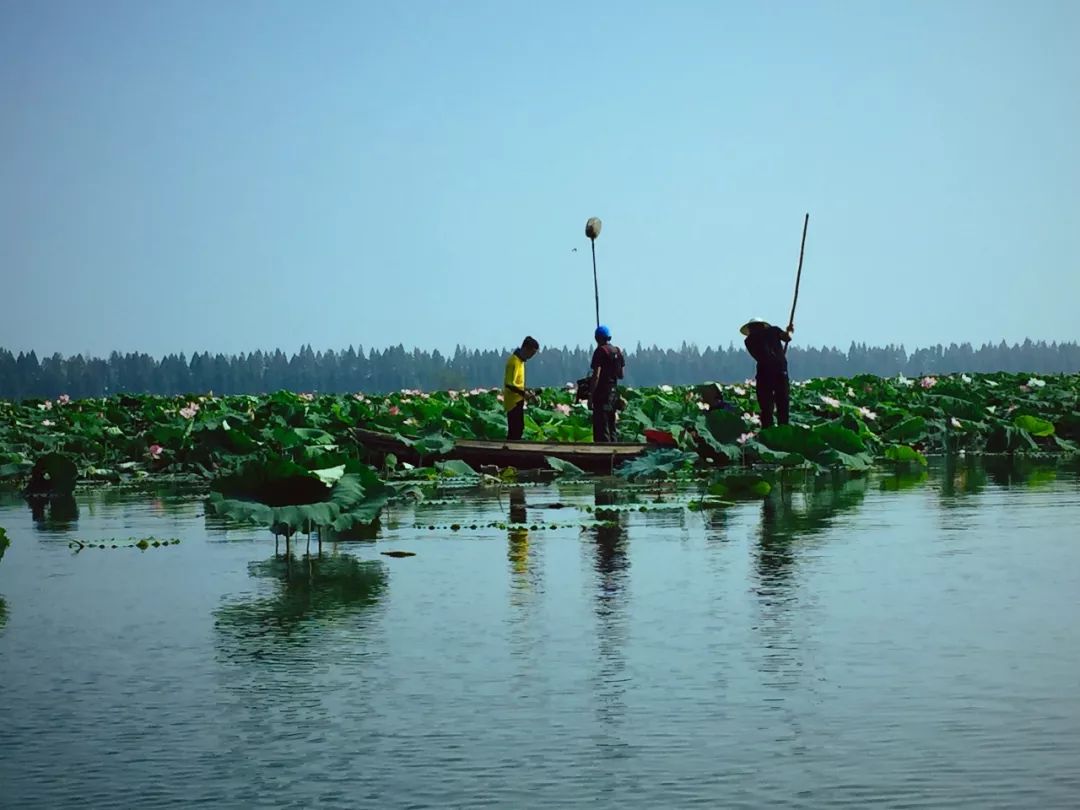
column 24, row 376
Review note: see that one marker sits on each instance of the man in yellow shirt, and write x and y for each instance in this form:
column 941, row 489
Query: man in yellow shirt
column 514, row 393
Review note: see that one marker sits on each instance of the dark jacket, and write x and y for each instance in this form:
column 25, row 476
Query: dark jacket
column 767, row 347
column 609, row 359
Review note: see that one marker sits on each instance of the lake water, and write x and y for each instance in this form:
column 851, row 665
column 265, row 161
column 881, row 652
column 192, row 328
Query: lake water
column 884, row 642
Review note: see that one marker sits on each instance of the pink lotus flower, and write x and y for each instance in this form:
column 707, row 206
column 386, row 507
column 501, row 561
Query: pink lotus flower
column 189, row 412
column 832, row 402
column 751, row 382
column 63, row 399
column 306, row 397
column 563, row 409
column 1024, row 389
column 739, row 391
column 47, row 422
column 499, row 397
column 703, row 406
column 745, row 437
column 394, row 410
column 752, row 418
column 867, row 413
column 156, row 450
column 955, row 422
column 360, row 398
column 45, row 406
column 928, row 382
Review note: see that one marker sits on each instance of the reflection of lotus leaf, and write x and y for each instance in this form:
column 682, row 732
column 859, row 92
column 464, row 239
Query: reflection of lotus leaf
column 310, row 591
column 3, row 612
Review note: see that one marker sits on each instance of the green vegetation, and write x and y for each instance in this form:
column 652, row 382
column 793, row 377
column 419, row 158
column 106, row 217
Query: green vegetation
column 291, row 462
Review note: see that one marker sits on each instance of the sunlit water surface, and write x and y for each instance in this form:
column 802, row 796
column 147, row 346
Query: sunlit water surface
column 885, row 642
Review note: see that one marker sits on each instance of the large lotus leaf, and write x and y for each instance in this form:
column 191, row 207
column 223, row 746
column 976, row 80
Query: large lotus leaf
column 635, row 414
column 434, row 443
column 314, row 436
column 274, row 481
column 455, row 467
column 655, row 463
column 362, row 512
column 849, row 461
column 793, row 439
column 902, row 454
column 15, row 469
column 329, row 475
column 240, row 511
column 840, row 438
column 1034, row 425
column 716, row 449
column 910, row 429
column 777, row 457
column 725, row 426
column 564, row 467
column 1007, row 438
column 954, row 406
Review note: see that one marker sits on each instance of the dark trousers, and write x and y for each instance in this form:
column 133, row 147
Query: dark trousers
column 773, row 390
column 515, row 422
column 603, row 424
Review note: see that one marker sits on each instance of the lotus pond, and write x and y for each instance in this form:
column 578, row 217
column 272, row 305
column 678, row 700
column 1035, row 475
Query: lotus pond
column 291, row 462
column 894, row 637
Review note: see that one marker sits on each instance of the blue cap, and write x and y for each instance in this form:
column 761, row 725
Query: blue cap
column 602, row 331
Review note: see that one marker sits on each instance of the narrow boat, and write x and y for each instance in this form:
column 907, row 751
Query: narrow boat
column 599, row 458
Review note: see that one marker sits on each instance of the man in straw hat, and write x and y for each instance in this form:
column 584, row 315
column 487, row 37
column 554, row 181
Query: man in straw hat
column 767, row 344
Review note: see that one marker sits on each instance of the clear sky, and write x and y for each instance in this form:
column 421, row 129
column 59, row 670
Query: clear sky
column 179, row 176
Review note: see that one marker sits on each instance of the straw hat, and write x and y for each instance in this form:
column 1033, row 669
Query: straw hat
column 745, row 328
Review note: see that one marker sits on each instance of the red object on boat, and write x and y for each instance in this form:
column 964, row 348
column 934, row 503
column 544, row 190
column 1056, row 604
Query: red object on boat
column 661, row 437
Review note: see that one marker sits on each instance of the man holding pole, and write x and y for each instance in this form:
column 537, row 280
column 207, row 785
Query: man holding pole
column 768, row 345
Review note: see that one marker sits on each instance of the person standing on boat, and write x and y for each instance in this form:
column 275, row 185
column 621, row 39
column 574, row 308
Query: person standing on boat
column 514, row 393
column 607, row 366
column 768, row 345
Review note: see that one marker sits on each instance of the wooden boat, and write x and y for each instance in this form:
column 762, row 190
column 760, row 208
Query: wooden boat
column 600, row 458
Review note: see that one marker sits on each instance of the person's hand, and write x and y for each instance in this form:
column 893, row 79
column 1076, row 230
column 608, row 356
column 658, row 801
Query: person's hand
column 791, row 328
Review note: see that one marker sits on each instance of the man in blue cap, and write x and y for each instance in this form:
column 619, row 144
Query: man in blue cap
column 607, row 369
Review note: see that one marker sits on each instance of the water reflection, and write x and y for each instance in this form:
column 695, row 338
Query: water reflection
column 3, row 613
column 788, row 517
column 611, row 564
column 311, row 592
column 1010, row 471
column 517, row 551
column 961, row 476
column 56, row 513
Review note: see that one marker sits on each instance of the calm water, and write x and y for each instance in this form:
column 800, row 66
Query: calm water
column 889, row 642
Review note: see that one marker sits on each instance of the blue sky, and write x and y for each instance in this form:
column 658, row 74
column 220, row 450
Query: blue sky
column 242, row 175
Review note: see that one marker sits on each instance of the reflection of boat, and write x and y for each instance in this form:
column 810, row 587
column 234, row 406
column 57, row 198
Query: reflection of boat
column 594, row 458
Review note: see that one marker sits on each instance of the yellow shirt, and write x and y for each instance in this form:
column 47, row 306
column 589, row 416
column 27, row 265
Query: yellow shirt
column 515, row 376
